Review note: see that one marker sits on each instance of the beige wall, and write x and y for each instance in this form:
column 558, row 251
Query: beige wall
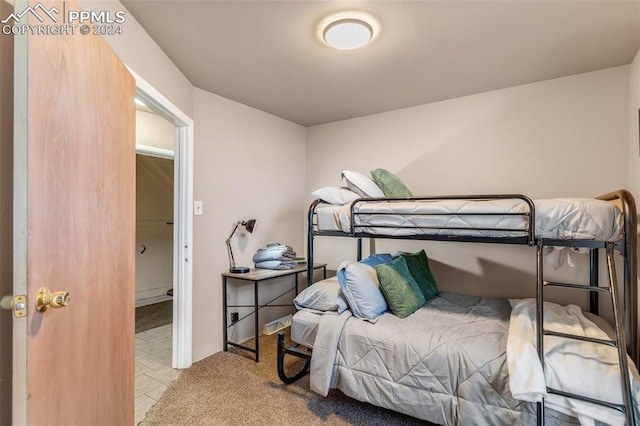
column 154, row 130
column 154, row 231
column 560, row 138
column 6, row 213
column 247, row 164
column 141, row 54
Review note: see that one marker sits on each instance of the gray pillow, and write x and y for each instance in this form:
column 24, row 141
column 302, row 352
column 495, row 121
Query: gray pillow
column 323, row 296
column 360, row 286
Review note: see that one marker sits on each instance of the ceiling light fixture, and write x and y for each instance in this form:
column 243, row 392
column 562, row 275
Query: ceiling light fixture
column 347, row 33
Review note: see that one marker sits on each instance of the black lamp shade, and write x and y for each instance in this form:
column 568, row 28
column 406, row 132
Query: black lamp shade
column 250, row 225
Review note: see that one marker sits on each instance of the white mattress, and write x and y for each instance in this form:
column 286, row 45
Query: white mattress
column 563, row 218
column 305, row 327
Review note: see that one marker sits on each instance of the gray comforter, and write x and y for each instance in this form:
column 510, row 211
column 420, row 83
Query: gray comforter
column 446, row 363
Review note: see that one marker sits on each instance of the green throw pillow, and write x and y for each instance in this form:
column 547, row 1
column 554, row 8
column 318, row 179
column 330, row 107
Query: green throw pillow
column 390, row 184
column 418, row 264
column 400, row 289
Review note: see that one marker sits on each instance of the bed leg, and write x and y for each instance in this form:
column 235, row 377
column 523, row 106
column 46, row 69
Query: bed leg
column 283, row 349
column 593, row 280
column 540, row 414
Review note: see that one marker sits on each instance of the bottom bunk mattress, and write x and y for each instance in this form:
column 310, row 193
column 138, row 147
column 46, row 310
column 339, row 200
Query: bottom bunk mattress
column 446, row 363
column 304, row 327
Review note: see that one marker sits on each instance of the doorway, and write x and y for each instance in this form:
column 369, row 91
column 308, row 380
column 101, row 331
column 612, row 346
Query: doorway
column 182, row 154
column 155, row 246
column 155, row 200
column 163, row 244
column 154, row 240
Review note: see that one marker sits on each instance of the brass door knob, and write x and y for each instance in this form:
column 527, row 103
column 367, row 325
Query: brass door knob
column 6, row 302
column 48, row 299
column 17, row 304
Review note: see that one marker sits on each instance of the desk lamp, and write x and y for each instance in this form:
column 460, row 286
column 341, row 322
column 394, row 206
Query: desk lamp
column 250, row 226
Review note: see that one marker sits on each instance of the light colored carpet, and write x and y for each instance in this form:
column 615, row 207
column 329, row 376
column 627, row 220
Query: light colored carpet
column 229, row 388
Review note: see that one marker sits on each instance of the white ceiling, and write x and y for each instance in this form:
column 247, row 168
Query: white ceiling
column 266, row 54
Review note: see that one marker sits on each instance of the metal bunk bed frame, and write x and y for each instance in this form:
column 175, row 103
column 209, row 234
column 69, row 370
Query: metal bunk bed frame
column 626, row 246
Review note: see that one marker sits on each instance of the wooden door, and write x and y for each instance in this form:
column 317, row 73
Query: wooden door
column 74, row 230
column 6, row 208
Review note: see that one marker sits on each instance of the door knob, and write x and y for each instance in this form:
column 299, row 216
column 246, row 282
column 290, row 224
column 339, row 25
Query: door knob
column 6, row 302
column 16, row 304
column 48, row 299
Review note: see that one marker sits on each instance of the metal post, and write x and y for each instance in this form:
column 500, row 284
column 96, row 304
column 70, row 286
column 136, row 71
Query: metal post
column 312, row 209
column 540, row 322
column 622, row 356
column 257, row 329
column 224, row 313
column 593, row 280
column 630, row 269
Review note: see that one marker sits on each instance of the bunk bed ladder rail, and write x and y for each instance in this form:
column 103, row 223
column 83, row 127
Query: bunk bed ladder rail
column 619, row 343
column 310, row 235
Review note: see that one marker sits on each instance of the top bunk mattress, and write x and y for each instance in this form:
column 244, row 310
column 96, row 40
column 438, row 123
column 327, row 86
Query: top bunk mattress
column 561, row 218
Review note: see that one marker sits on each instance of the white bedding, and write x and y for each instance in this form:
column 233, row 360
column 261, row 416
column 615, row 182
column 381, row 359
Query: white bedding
column 446, row 363
column 324, row 353
column 468, row 360
column 304, row 327
column 563, row 218
column 573, row 366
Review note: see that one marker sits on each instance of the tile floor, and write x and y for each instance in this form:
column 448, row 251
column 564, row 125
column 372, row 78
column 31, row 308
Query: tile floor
column 153, row 367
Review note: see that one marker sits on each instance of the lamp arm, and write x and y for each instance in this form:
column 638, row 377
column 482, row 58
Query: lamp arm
column 232, row 261
column 233, row 231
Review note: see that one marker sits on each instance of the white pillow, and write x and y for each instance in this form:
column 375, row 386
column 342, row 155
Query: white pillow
column 335, row 195
column 361, row 288
column 362, row 185
column 323, row 296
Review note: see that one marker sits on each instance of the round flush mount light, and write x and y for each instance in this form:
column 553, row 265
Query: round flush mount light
column 347, row 34
column 347, row 30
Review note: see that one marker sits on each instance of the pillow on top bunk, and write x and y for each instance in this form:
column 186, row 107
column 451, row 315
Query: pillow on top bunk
column 362, row 185
column 390, row 184
column 400, row 289
column 418, row 264
column 360, row 286
column 335, row 195
column 322, row 297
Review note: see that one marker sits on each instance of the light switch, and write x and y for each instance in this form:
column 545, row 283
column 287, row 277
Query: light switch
column 197, row 208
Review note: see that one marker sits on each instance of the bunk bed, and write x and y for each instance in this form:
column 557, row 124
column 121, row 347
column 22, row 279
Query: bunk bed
column 395, row 370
